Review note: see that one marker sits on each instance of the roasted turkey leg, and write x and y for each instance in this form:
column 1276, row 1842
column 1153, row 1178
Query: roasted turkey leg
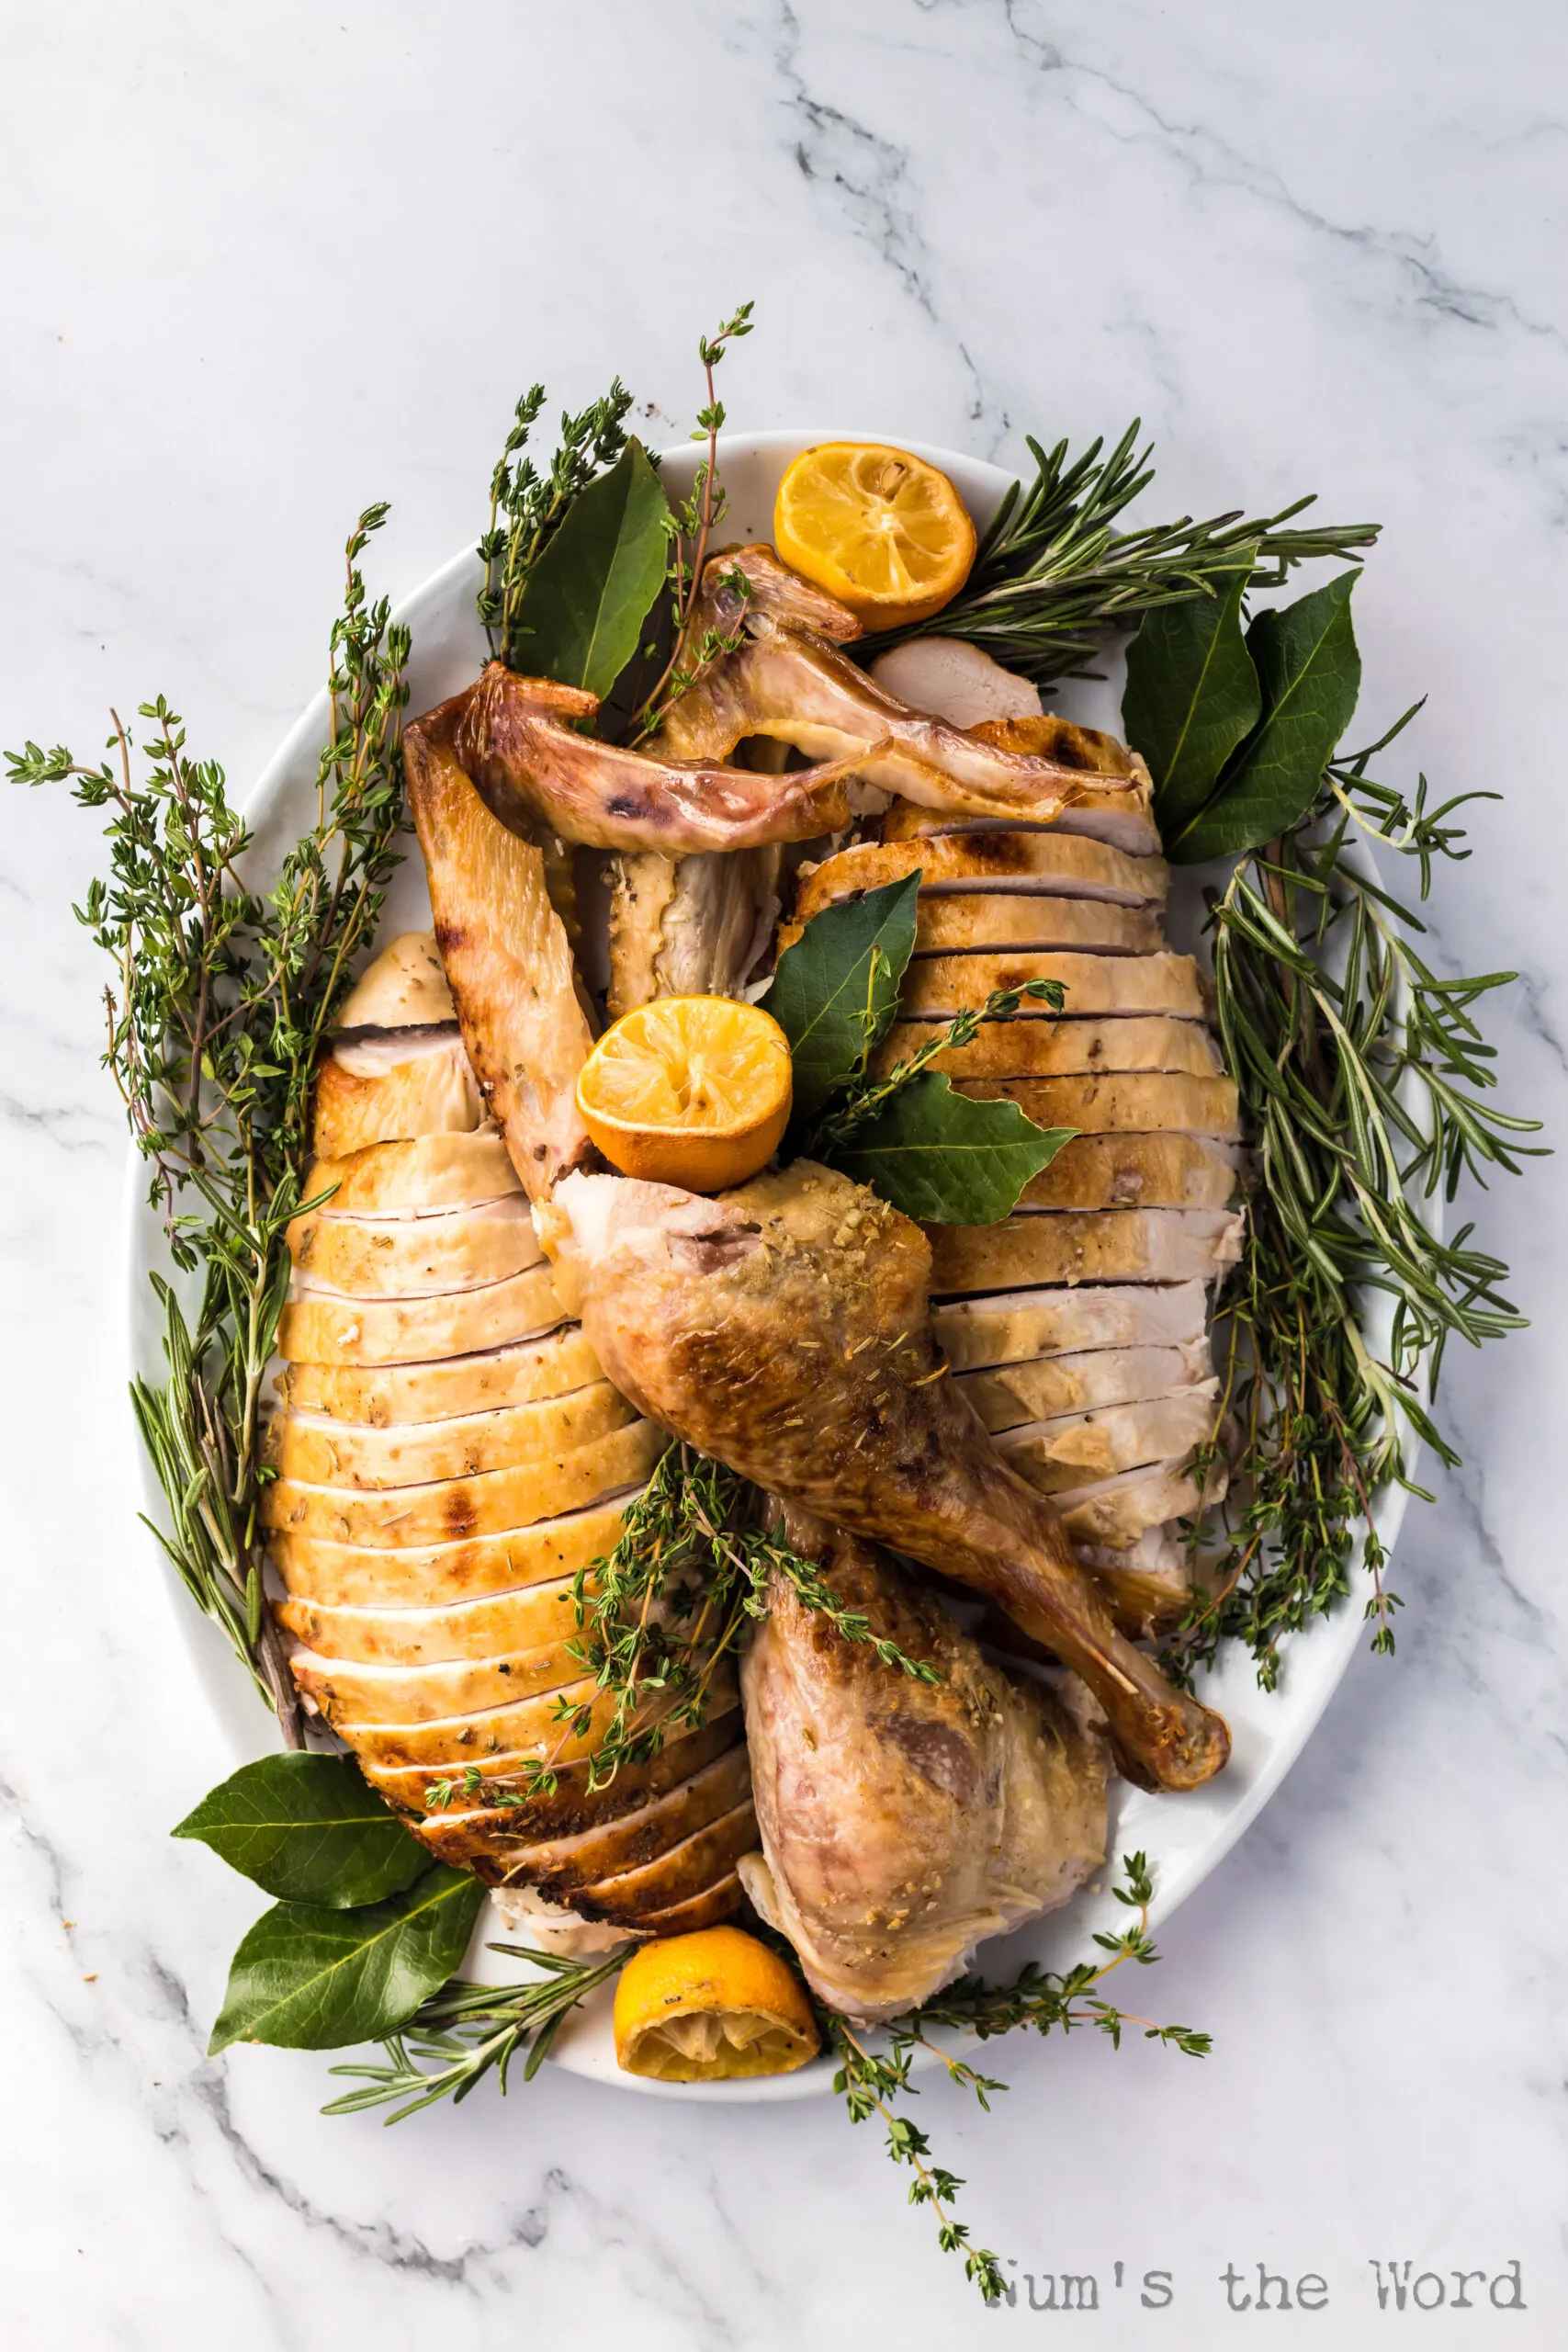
column 784, row 1329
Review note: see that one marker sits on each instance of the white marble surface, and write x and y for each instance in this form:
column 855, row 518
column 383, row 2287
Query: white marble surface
column 264, row 265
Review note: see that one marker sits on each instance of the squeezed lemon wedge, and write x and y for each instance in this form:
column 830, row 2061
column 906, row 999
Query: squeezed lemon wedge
column 877, row 527
column 691, row 1091
column 711, row 2007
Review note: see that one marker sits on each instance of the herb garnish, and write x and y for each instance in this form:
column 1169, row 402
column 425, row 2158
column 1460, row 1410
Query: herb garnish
column 527, row 509
column 1053, row 578
column 223, row 996
column 870, row 2079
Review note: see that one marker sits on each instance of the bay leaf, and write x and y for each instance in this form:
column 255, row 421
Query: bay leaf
column 307, row 1829
column 306, row 1978
column 1310, row 669
column 945, row 1159
column 581, row 614
column 835, row 993
column 1192, row 696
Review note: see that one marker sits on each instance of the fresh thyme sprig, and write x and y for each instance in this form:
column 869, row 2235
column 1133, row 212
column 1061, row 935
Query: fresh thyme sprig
column 871, row 2081
column 691, row 528
column 866, row 1096
column 526, row 508
column 467, row 2032
column 1053, row 578
column 659, row 1617
column 221, row 999
column 1364, row 1080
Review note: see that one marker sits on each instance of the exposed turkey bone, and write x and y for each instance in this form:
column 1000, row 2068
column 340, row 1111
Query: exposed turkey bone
column 785, row 1330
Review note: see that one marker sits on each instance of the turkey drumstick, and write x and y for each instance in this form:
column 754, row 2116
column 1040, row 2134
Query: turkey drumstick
column 784, row 1329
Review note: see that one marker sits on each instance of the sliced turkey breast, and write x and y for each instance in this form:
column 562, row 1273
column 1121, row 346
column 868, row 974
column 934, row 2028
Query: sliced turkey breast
column 323, row 1453
column 999, row 864
column 1060, row 1048
column 944, row 985
column 526, row 1618
column 1117, row 1510
column 721, row 1900
column 405, row 988
column 418, row 1083
column 1075, row 1448
column 1011, row 1328
column 349, row 1694
column 1135, row 1172
column 495, row 1841
column 323, row 1327
column 1007, row 1395
column 492, row 1504
column 384, row 1395
column 1074, row 1246
column 417, row 1176
column 436, row 1576
column 1137, row 1101
column 412, row 1257
column 688, row 1872
column 949, row 678
column 539, row 1727
column 959, row 922
column 417, row 1789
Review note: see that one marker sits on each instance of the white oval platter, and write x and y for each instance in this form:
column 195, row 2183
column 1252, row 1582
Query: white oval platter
column 1184, row 1837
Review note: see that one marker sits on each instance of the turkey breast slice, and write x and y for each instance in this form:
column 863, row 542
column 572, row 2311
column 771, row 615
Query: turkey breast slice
column 496, row 1625
column 425, row 1173
column 721, row 1900
column 403, row 988
column 959, row 924
column 1017, row 1325
column 944, row 985
column 323, row 1327
column 1000, row 863
column 1136, row 1101
column 416, row 1084
column 496, row 1841
column 323, row 1453
column 565, row 1725
column 688, row 1872
column 426, row 1792
column 434, row 1575
column 350, row 1694
column 1135, row 1171
column 414, row 1256
column 1059, row 1048
column 1084, row 1245
column 1074, row 1448
column 1010, row 1395
column 1116, row 1512
column 390, row 1394
column 491, row 1504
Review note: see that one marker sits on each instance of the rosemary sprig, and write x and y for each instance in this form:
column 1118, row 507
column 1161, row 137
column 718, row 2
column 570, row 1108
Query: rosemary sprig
column 871, row 2081
column 467, row 2032
column 526, row 508
column 662, row 1613
column 1364, row 1080
column 1053, row 578
column 221, row 999
column 865, row 1096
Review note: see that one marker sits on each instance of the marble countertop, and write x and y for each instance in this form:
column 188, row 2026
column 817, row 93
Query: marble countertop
column 263, row 267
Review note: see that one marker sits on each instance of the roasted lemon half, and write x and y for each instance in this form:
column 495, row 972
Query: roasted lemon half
column 877, row 527
column 691, row 1091
column 711, row 2007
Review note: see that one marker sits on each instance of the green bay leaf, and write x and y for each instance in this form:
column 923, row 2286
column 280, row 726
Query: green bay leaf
column 945, row 1159
column 1309, row 671
column 305, row 1978
column 581, row 614
column 836, row 990
column 307, row 1829
column 1192, row 696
